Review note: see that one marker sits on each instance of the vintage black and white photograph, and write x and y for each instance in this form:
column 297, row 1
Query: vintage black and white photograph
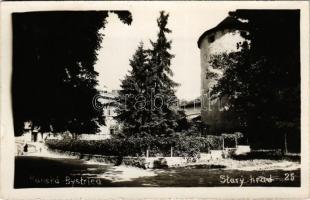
column 205, row 97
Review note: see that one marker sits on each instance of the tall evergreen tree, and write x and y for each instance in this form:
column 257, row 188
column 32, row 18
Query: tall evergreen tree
column 147, row 94
column 132, row 111
column 162, row 84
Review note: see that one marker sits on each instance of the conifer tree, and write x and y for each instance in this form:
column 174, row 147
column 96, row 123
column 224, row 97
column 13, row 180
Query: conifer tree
column 147, row 92
column 162, row 84
column 131, row 112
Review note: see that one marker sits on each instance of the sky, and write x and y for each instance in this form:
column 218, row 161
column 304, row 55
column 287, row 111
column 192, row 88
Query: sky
column 121, row 41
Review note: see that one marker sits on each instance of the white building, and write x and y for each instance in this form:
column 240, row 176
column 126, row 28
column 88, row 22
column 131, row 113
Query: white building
column 108, row 99
column 192, row 109
column 29, row 135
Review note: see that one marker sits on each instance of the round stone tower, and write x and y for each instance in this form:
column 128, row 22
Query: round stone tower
column 222, row 38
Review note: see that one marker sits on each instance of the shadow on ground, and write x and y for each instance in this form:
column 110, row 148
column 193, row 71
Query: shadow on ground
column 38, row 172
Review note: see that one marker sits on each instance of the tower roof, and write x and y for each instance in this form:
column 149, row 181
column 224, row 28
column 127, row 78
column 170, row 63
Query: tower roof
column 228, row 23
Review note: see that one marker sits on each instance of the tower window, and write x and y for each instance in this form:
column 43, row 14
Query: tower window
column 211, row 39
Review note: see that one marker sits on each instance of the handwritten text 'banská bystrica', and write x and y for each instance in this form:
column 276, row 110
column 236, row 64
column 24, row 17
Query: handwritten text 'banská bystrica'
column 67, row 180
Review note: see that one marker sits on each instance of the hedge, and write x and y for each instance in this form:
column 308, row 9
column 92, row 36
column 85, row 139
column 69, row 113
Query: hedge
column 185, row 146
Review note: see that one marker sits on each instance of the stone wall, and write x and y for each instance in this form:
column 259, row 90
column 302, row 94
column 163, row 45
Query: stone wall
column 144, row 162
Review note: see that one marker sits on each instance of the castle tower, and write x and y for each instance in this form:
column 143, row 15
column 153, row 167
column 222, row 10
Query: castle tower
column 222, row 38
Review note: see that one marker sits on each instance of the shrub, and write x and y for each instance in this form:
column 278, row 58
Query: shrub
column 183, row 145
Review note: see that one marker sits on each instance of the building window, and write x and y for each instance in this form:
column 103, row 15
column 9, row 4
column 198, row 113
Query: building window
column 211, row 39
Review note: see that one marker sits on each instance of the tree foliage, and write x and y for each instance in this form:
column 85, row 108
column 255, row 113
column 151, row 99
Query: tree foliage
column 262, row 80
column 160, row 79
column 147, row 93
column 54, row 80
column 133, row 112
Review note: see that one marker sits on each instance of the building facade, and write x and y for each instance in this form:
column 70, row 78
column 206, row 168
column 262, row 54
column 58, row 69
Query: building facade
column 111, row 127
column 222, row 38
column 191, row 109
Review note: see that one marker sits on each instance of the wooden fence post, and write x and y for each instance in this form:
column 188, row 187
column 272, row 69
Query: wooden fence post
column 148, row 151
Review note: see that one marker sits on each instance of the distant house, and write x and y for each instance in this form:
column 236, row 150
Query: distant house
column 222, row 38
column 111, row 127
column 109, row 107
column 192, row 108
column 31, row 134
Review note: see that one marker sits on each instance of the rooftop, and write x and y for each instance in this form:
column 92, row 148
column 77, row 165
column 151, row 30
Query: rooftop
column 227, row 23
